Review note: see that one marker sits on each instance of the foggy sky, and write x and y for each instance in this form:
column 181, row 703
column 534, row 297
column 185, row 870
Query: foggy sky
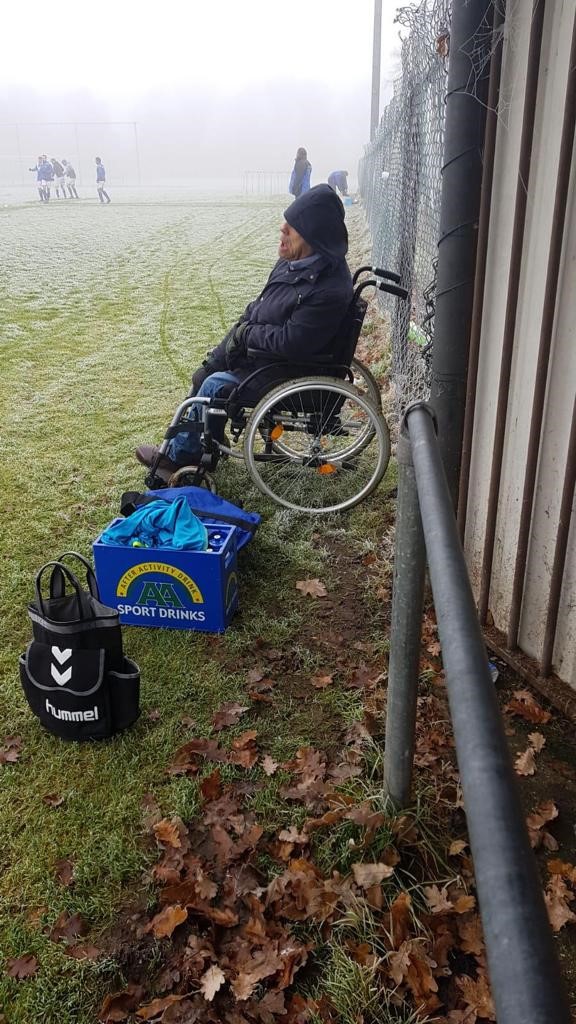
column 240, row 94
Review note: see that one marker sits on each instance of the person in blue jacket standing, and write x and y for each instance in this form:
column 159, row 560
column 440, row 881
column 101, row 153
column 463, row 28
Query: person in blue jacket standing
column 101, row 181
column 300, row 177
column 39, row 179
column 298, row 315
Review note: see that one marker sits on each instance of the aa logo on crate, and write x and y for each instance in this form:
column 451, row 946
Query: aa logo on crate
column 156, row 590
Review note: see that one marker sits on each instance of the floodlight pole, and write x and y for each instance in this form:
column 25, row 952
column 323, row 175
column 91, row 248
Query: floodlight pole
column 376, row 52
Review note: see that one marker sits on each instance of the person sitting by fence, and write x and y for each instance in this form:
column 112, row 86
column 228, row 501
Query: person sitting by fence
column 300, row 177
column 296, row 316
column 71, row 176
column 338, row 180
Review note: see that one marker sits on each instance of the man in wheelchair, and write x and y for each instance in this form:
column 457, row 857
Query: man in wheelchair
column 293, row 323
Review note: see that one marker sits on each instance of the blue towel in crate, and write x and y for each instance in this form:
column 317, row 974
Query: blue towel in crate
column 202, row 503
column 159, row 524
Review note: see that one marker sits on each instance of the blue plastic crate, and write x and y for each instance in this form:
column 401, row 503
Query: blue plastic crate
column 168, row 588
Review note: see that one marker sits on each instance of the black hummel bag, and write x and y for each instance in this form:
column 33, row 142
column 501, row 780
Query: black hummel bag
column 74, row 673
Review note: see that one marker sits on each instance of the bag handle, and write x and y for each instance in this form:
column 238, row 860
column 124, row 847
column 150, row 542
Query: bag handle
column 61, row 570
column 91, row 581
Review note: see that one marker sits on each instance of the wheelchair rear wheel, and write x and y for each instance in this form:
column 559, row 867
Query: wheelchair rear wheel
column 316, row 445
column 365, row 381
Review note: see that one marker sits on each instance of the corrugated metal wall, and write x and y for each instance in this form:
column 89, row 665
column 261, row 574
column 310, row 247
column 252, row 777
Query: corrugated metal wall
column 557, row 418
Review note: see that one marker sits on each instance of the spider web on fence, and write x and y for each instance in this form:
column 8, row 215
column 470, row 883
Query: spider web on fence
column 400, row 182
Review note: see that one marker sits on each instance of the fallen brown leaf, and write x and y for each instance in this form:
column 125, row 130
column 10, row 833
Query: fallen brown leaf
column 211, row 786
column 68, row 927
column 311, row 588
column 476, row 995
column 153, row 1009
column 229, row 714
column 11, row 749
column 118, row 1005
column 464, row 903
column 21, row 967
column 167, row 832
column 320, row 682
column 211, row 981
column 537, row 740
column 64, row 871
column 269, row 766
column 84, row 951
column 367, row 875
column 292, row 835
column 457, row 847
column 53, row 800
column 164, row 923
column 525, row 705
column 557, row 897
column 255, row 675
column 525, row 763
column 437, row 899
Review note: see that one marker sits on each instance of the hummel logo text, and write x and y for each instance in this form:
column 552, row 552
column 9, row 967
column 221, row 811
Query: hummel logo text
column 73, row 716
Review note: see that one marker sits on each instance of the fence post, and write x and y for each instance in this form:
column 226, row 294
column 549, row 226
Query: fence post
column 460, row 205
column 407, row 605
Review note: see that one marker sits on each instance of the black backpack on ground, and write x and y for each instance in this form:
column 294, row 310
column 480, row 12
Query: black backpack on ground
column 74, row 673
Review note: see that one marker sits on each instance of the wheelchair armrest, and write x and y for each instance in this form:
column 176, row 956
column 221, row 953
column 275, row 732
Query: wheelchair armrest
column 277, row 357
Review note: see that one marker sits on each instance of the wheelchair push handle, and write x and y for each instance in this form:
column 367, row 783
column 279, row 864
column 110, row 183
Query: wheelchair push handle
column 393, row 289
column 389, row 275
column 383, row 286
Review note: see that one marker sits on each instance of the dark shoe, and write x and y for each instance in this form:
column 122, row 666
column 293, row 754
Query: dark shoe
column 147, row 453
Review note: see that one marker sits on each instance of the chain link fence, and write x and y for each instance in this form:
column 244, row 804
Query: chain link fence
column 400, row 186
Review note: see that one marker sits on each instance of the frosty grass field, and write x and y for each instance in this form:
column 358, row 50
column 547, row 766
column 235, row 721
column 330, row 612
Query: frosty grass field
column 104, row 313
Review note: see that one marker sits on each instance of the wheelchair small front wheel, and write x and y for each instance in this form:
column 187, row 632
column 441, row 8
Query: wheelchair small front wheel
column 316, row 445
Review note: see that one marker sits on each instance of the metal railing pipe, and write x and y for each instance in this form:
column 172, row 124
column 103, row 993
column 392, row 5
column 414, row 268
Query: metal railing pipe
column 524, row 971
column 405, row 633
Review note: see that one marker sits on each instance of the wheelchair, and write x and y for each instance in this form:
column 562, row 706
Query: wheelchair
column 315, row 444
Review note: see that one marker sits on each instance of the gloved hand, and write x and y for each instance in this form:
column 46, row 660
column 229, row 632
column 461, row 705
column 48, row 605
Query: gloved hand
column 199, row 376
column 237, row 344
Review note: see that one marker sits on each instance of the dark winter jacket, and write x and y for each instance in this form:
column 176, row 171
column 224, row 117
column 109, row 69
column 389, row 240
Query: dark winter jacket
column 58, row 169
column 298, row 314
column 300, row 177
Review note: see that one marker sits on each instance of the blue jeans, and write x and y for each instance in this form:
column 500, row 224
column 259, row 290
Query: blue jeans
column 185, row 448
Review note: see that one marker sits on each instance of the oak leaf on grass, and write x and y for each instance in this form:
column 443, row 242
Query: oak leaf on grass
column 164, row 923
column 320, row 682
column 229, row 714
column 525, row 763
column 21, row 967
column 367, row 875
column 211, row 981
column 269, row 766
column 311, row 588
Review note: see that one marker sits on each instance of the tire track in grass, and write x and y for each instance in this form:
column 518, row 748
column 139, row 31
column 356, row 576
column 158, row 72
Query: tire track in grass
column 231, row 238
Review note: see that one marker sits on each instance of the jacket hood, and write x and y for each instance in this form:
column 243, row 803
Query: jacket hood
column 318, row 215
